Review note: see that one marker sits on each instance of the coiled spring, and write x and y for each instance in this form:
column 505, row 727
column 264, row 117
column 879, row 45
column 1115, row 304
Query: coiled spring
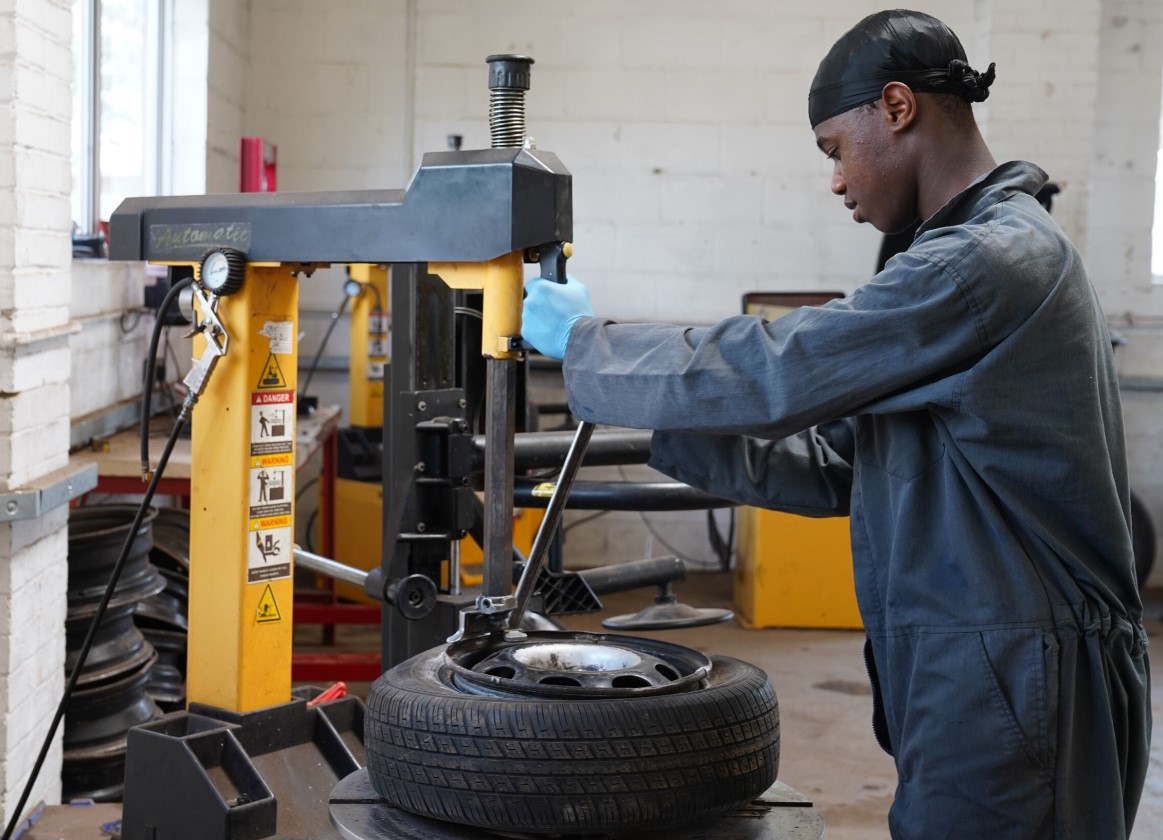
column 507, row 117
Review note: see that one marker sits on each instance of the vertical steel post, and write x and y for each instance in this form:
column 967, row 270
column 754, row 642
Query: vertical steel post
column 499, row 429
column 502, row 283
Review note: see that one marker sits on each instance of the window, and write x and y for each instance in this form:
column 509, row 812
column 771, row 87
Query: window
column 117, row 71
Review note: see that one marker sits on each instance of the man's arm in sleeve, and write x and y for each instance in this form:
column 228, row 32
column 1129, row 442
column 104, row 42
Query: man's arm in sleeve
column 809, row 473
column 914, row 323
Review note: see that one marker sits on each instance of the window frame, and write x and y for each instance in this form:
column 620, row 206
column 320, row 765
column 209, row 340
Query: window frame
column 157, row 134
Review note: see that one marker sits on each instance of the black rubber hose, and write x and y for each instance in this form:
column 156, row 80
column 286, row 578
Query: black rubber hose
column 97, row 617
column 150, row 362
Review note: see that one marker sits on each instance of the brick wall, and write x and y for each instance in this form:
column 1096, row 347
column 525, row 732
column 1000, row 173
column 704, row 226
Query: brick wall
column 112, row 338
column 330, row 90
column 227, row 63
column 35, row 106
column 696, row 176
column 1122, row 195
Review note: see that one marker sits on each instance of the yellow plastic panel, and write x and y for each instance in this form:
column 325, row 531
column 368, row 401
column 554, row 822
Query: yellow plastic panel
column 358, row 538
column 358, row 514
column 369, row 346
column 794, row 571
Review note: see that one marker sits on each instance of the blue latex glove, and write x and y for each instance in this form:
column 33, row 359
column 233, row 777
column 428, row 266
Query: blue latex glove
column 550, row 311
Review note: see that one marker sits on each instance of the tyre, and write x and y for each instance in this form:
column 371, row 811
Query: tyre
column 498, row 740
column 1143, row 539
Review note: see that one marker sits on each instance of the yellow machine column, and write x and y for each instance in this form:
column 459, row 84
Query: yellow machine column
column 242, row 501
column 368, row 346
column 359, row 498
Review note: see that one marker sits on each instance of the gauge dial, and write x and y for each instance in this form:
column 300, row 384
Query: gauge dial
column 223, row 271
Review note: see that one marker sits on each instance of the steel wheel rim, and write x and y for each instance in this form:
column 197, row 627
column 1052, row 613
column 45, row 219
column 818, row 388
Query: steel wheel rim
column 567, row 665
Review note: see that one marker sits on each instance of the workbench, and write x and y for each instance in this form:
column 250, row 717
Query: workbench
column 118, row 461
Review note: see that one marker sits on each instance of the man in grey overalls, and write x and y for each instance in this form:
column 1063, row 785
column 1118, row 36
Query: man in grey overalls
column 962, row 408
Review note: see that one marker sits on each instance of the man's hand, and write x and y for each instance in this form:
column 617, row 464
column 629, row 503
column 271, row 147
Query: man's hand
column 549, row 312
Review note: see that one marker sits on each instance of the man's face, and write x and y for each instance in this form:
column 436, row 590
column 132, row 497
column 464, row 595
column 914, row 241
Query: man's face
column 869, row 168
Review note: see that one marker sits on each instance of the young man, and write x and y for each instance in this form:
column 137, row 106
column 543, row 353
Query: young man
column 963, row 408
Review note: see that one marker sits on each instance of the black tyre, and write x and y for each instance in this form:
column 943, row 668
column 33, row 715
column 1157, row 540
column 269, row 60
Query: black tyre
column 1143, row 539
column 570, row 765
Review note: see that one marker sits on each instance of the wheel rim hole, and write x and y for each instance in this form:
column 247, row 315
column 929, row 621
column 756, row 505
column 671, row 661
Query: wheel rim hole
column 666, row 671
column 559, row 681
column 630, row 681
column 502, row 671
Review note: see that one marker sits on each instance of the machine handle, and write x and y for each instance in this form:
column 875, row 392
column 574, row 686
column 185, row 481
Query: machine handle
column 549, row 524
column 552, row 260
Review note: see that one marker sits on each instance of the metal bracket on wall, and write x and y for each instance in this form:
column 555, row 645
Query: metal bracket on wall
column 48, row 492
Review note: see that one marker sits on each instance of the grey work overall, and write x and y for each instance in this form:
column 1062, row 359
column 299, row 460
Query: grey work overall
column 963, row 408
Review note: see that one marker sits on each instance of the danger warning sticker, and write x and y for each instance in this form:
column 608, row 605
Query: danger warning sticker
column 272, row 422
column 271, row 486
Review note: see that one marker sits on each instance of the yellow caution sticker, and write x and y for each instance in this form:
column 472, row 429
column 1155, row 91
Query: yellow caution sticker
column 268, row 608
column 272, row 377
column 544, row 490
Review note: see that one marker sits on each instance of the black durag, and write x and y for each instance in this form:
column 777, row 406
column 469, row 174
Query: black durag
column 893, row 46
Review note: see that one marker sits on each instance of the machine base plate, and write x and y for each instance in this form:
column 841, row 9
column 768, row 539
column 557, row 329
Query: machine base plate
column 780, row 814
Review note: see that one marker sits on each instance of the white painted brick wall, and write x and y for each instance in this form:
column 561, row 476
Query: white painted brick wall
column 32, row 653
column 35, row 251
column 1123, row 176
column 334, row 103
column 685, row 128
column 226, row 80
column 112, row 340
column 1042, row 107
column 111, row 351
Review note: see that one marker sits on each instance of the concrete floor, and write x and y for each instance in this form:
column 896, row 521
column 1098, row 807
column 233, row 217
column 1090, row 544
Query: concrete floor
column 828, row 753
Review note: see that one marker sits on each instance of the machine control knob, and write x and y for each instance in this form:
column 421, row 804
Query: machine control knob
column 509, row 72
column 414, row 596
column 223, row 271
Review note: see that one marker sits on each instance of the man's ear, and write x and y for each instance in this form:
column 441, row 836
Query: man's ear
column 899, row 106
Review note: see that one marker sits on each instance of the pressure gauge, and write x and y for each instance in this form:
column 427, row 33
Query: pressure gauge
column 352, row 288
column 223, row 270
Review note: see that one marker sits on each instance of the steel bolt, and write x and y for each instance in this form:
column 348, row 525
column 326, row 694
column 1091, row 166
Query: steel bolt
column 421, row 406
column 421, row 527
column 11, row 506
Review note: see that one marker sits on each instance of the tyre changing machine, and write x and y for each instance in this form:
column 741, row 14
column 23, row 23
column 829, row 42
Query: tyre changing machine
column 249, row 759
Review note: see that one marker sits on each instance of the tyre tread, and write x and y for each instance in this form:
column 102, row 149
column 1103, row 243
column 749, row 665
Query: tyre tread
column 595, row 765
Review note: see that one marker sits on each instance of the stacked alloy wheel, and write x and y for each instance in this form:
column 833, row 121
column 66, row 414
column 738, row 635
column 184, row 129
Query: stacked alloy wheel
column 163, row 618
column 111, row 692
